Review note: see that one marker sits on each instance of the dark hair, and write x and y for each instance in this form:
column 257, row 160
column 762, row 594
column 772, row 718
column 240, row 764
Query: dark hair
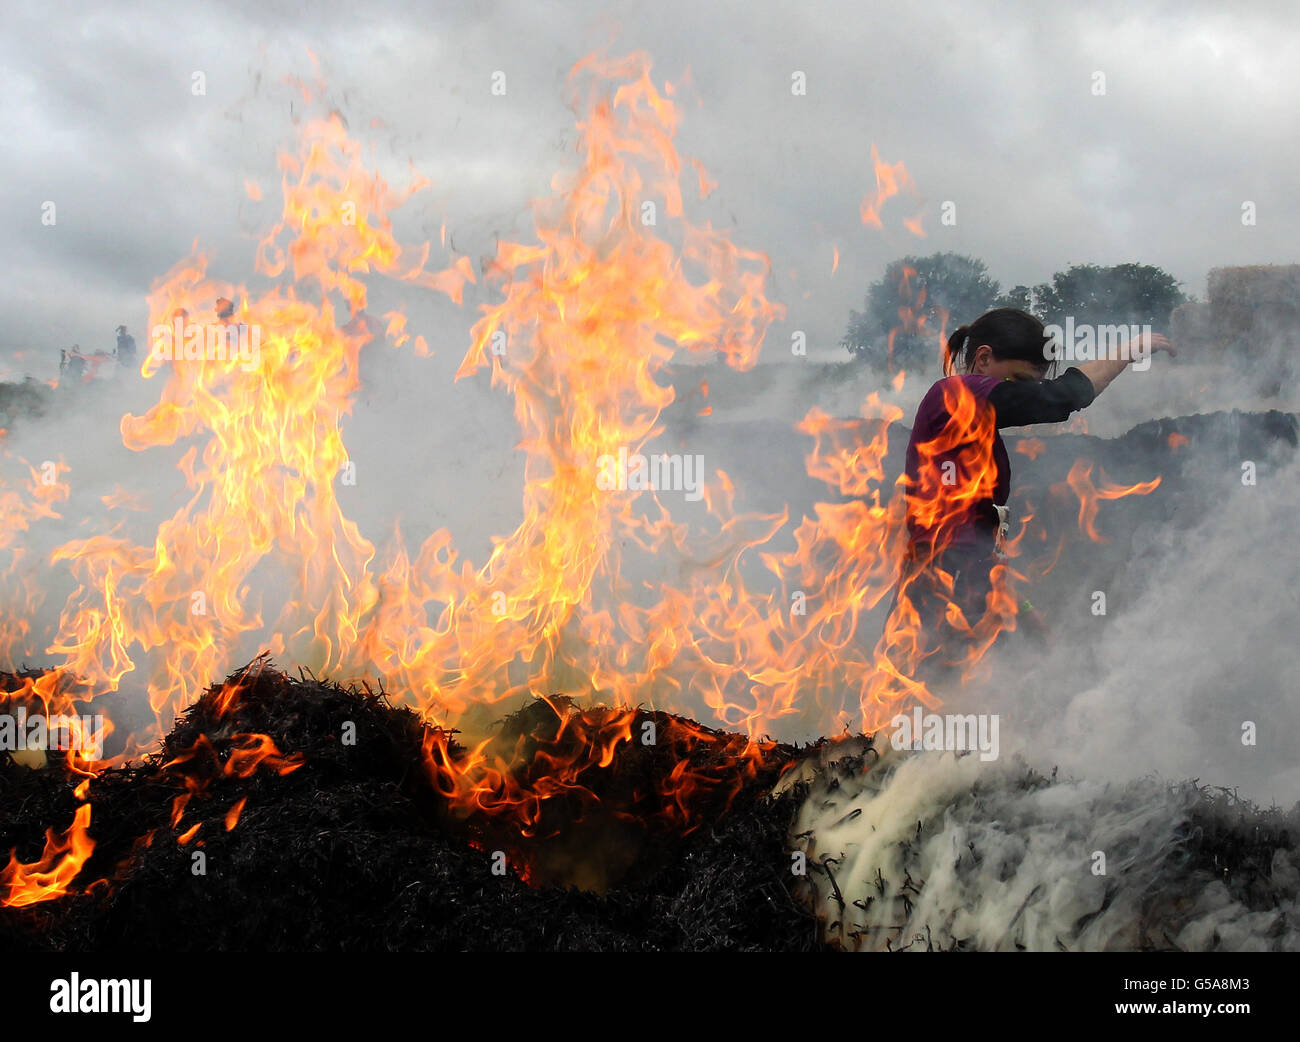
column 1010, row 333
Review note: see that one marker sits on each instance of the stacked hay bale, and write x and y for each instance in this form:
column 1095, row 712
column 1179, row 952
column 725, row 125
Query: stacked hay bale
column 1252, row 317
column 1246, row 305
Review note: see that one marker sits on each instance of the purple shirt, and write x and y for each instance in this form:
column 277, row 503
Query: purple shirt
column 957, row 465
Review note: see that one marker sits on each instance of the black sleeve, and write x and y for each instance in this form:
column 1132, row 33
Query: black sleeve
column 1021, row 402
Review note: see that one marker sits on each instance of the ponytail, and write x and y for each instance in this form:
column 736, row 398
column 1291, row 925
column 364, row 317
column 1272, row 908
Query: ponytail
column 954, row 352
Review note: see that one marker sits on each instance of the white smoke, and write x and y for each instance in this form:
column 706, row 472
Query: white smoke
column 924, row 851
column 1192, row 671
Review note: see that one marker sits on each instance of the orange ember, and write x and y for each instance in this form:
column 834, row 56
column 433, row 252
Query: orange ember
column 1031, row 447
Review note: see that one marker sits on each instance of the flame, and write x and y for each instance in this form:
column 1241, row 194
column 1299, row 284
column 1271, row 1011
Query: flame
column 196, row 768
column 537, row 782
column 52, row 875
column 486, row 780
column 912, row 312
column 233, row 814
column 269, row 448
column 589, row 310
column 955, row 475
column 248, row 753
column 891, row 180
column 1076, row 424
column 1031, row 447
column 1080, row 482
column 956, row 470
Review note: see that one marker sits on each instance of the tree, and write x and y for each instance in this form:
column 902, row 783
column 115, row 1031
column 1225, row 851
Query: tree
column 909, row 309
column 1019, row 297
column 1125, row 293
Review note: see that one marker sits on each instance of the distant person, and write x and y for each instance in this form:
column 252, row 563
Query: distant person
column 72, row 363
column 125, row 350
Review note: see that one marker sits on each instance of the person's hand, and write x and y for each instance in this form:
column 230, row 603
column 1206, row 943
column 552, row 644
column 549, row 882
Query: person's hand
column 1149, row 343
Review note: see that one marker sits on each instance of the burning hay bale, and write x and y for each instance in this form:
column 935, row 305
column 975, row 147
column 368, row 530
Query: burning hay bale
column 936, row 852
column 294, row 814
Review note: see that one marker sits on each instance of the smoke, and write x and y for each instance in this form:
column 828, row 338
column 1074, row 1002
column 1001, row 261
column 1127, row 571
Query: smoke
column 1190, row 385
column 1192, row 675
column 931, row 851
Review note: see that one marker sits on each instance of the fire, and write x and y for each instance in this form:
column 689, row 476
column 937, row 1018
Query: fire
column 538, row 787
column 592, row 310
column 487, row 780
column 52, row 875
column 197, row 767
column 44, row 719
column 589, row 312
column 955, row 474
column 1080, row 481
column 913, row 318
column 891, row 180
column 956, row 469
column 580, row 322
column 1031, row 447
column 233, row 814
column 269, row 449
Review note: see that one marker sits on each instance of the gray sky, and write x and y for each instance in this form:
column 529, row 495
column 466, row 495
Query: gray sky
column 990, row 105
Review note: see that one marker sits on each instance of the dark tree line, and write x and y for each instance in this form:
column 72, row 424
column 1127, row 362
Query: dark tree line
column 919, row 299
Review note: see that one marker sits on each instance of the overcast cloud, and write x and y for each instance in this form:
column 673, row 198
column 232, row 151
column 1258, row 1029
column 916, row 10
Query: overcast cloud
column 990, row 105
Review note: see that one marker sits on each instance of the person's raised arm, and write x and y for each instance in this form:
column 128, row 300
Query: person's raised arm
column 1103, row 371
